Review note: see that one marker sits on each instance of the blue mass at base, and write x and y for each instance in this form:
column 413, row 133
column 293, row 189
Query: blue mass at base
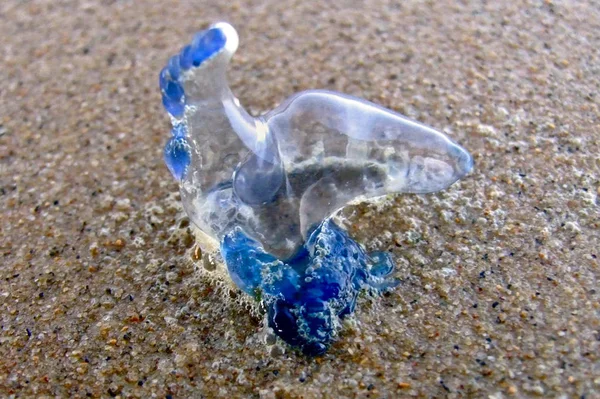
column 307, row 294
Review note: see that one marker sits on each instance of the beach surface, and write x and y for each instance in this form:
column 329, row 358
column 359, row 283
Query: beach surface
column 102, row 290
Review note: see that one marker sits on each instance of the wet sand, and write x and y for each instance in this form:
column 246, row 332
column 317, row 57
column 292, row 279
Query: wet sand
column 500, row 274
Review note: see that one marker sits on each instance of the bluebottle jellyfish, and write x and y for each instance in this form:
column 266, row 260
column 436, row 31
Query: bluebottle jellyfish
column 266, row 188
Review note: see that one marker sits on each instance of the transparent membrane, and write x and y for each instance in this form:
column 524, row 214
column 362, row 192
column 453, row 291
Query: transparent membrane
column 266, row 187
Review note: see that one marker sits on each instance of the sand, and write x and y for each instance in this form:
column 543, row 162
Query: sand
column 100, row 297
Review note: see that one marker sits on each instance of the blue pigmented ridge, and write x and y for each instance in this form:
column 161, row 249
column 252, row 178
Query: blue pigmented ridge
column 185, row 58
column 206, row 44
column 177, row 156
column 175, row 108
column 306, row 294
column 173, row 96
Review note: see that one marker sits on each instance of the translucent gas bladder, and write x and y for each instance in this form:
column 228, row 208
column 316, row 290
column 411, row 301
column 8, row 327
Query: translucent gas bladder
column 266, row 187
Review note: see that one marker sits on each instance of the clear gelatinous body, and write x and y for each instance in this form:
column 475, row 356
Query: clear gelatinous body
column 266, row 187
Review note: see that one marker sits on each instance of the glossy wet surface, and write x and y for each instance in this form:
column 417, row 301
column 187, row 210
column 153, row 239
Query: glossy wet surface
column 499, row 274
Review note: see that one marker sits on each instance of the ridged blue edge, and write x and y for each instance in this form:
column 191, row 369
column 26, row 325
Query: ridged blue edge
column 205, row 45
